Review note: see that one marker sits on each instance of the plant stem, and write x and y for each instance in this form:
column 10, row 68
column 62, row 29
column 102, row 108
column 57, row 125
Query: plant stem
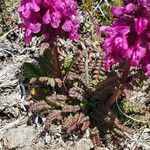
column 113, row 98
column 118, row 91
column 57, row 67
column 122, row 127
column 125, row 72
column 95, row 25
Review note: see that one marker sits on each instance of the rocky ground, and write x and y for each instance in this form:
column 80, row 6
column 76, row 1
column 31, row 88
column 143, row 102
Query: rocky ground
column 15, row 131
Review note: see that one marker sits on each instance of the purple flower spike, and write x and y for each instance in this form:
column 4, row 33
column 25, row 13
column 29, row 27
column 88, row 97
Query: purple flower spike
column 50, row 18
column 140, row 24
column 147, row 70
column 128, row 38
column 117, row 11
column 129, row 8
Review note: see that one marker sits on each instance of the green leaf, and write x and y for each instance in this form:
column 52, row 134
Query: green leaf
column 117, row 3
column 30, row 70
column 68, row 62
column 87, row 5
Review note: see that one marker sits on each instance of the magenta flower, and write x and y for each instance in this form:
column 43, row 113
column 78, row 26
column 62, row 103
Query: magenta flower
column 128, row 38
column 50, row 18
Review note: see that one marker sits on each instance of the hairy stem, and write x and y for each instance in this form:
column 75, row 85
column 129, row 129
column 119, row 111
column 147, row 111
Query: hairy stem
column 95, row 25
column 57, row 67
column 113, row 98
column 118, row 91
column 125, row 72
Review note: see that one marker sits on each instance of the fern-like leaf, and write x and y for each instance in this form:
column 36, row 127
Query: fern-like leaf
column 70, row 108
column 31, row 70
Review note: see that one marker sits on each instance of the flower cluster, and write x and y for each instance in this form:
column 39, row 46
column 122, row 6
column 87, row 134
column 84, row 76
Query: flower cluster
column 128, row 38
column 50, row 18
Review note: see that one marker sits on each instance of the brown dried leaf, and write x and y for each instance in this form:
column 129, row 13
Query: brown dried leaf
column 76, row 92
column 50, row 118
column 70, row 108
column 76, row 123
column 122, row 127
column 33, row 80
column 95, row 137
column 44, row 46
column 84, row 119
column 85, row 126
column 58, row 81
column 67, row 121
column 72, row 126
column 38, row 107
column 51, row 82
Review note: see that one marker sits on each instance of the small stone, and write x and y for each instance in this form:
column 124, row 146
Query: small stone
column 1, row 147
column 83, row 144
column 1, row 31
column 21, row 137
